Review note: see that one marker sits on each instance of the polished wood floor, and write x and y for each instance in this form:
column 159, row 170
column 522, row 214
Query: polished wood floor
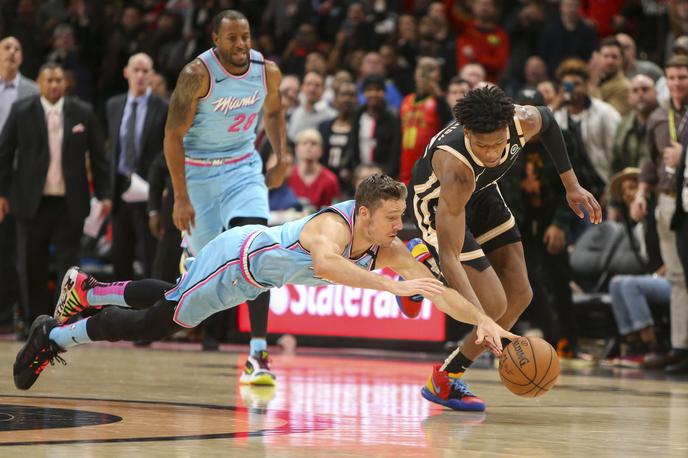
column 125, row 401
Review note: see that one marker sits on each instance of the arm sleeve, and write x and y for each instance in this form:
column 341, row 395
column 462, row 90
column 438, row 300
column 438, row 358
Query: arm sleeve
column 553, row 141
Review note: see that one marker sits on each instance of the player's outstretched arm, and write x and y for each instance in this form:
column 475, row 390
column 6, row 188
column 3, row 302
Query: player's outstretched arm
column 539, row 122
column 398, row 258
column 457, row 183
column 326, row 237
column 191, row 85
column 275, row 125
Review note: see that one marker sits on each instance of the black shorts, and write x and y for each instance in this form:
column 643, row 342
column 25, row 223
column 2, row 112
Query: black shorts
column 489, row 225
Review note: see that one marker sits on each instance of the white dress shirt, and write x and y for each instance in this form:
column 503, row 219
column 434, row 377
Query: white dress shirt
column 54, row 181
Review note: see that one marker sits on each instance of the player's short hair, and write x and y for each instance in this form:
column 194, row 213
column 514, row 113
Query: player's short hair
column 232, row 15
column 484, row 110
column 376, row 188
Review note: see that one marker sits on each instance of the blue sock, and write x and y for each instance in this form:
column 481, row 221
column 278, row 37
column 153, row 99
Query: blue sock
column 70, row 335
column 257, row 345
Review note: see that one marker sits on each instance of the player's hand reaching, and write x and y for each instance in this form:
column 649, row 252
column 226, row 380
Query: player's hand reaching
column 183, row 214
column 274, row 177
column 577, row 196
column 426, row 287
column 490, row 335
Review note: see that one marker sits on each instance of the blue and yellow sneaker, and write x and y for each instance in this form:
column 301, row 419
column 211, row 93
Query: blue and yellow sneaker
column 411, row 305
column 257, row 370
column 451, row 392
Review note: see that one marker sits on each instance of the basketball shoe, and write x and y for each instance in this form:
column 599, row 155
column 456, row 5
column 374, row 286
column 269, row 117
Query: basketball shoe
column 257, row 370
column 73, row 294
column 411, row 305
column 451, row 392
column 36, row 353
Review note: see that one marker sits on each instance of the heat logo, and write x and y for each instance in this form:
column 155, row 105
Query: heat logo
column 227, row 104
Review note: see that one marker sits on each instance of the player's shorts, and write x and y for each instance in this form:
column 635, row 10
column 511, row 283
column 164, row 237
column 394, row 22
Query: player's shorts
column 217, row 279
column 489, row 225
column 222, row 190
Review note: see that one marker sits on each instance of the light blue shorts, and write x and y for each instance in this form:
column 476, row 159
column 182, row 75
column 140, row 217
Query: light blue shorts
column 220, row 193
column 217, row 279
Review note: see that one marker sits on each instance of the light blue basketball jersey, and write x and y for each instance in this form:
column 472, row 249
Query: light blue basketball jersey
column 275, row 257
column 224, row 125
column 245, row 261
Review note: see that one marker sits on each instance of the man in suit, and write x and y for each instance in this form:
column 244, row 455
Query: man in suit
column 13, row 86
column 43, row 167
column 136, row 128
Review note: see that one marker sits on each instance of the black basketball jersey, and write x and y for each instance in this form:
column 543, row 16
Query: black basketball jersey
column 424, row 190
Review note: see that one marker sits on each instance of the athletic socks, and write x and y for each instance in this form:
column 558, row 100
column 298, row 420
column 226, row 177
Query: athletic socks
column 70, row 335
column 456, row 363
column 257, row 345
column 107, row 294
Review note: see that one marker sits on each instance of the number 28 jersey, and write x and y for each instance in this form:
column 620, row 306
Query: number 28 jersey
column 225, row 121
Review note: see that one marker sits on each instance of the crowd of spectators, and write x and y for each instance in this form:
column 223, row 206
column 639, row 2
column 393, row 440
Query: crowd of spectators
column 367, row 84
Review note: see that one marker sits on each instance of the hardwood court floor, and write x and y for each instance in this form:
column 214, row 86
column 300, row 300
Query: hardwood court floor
column 123, row 401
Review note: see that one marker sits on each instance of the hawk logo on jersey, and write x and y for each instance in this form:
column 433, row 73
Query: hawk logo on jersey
column 514, row 149
column 227, row 104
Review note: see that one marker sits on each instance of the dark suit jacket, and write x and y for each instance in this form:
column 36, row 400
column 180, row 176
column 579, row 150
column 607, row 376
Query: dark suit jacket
column 25, row 157
column 151, row 139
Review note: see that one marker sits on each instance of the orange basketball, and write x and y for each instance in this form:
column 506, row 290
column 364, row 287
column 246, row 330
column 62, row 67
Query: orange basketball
column 529, row 367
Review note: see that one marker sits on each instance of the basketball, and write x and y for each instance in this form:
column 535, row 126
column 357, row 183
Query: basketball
column 529, row 367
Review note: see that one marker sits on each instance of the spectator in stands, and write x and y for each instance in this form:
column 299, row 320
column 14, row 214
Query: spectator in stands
column 593, row 119
column 666, row 128
column 631, row 64
column 473, row 73
column 304, row 43
column 630, row 144
column 336, row 134
column 289, row 90
column 599, row 14
column 372, row 65
column 355, row 34
column 128, row 37
column 434, row 40
column 565, row 36
column 457, row 90
column 13, row 86
column 524, row 26
column 612, row 87
column 376, row 137
column 679, row 222
column 66, row 53
column 632, row 295
column 397, row 68
column 548, row 89
column 479, row 38
column 422, row 115
column 647, row 21
column 407, row 38
column 310, row 114
column 310, row 181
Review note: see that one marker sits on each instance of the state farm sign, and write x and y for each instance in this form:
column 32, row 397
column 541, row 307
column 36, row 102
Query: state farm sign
column 336, row 310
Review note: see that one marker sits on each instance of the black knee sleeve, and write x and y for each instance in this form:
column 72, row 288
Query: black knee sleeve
column 141, row 294
column 119, row 323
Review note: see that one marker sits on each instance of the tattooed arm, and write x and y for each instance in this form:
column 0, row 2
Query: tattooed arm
column 192, row 84
column 275, row 125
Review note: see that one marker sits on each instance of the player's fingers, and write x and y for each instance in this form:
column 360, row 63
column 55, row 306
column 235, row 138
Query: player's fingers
column 508, row 335
column 576, row 209
column 598, row 209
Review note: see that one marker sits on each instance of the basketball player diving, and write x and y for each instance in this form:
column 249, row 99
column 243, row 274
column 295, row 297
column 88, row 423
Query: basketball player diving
column 469, row 236
column 339, row 244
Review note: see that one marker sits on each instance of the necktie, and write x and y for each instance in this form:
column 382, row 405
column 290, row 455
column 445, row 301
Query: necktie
column 130, row 141
column 54, row 178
